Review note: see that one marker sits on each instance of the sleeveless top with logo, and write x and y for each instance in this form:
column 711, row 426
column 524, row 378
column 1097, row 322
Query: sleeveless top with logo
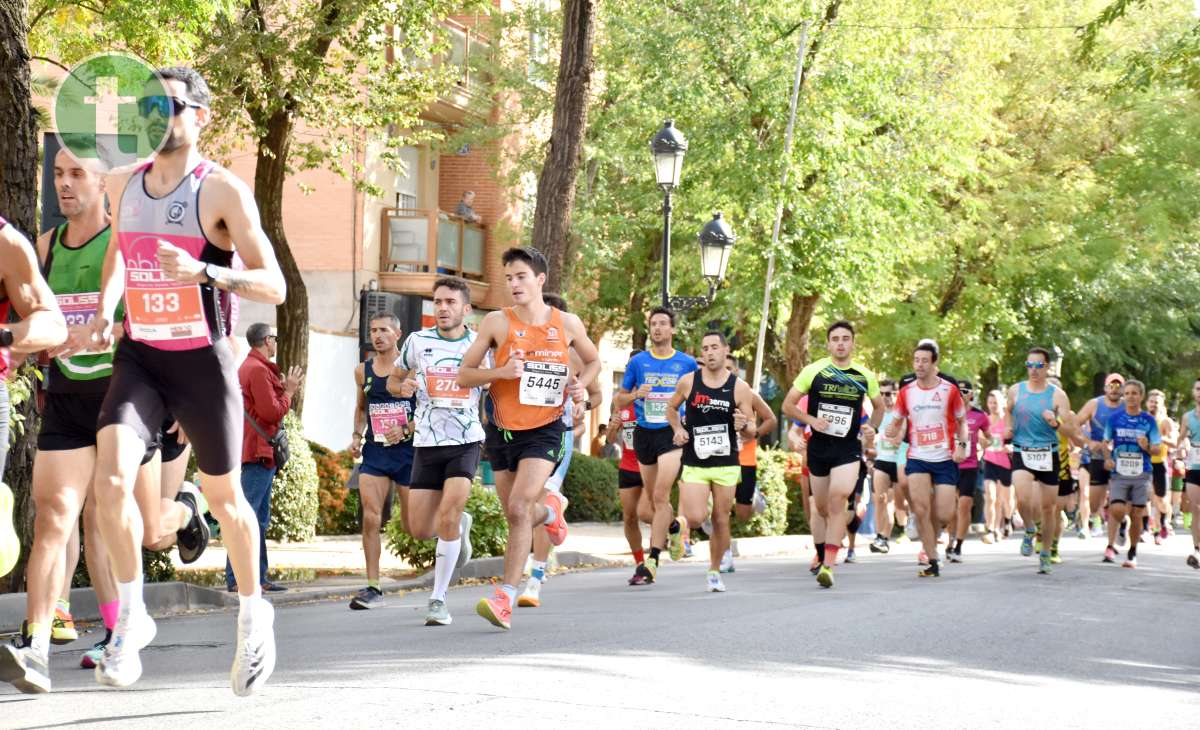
column 1193, row 444
column 536, row 398
column 5, row 355
column 160, row 312
column 1100, row 419
column 384, row 410
column 1030, row 430
column 712, row 439
column 74, row 276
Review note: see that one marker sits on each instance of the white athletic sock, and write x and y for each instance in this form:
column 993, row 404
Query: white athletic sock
column 443, row 566
column 246, row 604
column 130, row 596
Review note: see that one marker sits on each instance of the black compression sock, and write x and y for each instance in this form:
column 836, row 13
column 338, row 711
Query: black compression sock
column 654, row 553
column 821, row 551
column 674, row 526
column 1132, row 552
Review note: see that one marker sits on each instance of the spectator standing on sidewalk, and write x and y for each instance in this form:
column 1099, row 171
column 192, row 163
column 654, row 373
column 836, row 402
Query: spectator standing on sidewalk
column 267, row 398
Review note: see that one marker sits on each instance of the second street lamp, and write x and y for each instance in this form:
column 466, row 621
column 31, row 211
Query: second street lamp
column 716, row 243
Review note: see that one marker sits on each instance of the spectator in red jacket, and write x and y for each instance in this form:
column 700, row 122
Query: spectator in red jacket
column 267, row 398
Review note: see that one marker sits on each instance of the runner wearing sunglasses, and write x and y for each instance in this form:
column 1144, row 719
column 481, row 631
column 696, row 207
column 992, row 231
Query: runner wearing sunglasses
column 1033, row 415
column 178, row 222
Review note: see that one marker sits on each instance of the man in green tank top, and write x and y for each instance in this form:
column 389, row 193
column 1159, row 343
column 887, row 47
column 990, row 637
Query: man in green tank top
column 71, row 257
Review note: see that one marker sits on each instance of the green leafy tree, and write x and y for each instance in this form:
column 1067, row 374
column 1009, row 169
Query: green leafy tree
column 340, row 70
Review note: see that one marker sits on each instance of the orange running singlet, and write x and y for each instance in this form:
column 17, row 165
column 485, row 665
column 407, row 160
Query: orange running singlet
column 536, row 398
column 748, row 452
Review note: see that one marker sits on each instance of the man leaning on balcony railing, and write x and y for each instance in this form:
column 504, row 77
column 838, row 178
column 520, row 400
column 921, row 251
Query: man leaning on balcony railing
column 464, row 209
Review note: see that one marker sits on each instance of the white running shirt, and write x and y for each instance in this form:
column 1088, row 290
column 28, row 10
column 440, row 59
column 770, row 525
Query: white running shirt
column 447, row 415
column 932, row 419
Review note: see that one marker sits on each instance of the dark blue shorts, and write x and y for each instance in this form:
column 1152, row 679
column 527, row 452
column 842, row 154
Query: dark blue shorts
column 943, row 472
column 393, row 462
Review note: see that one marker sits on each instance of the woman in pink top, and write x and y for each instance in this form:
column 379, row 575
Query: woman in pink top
column 997, row 474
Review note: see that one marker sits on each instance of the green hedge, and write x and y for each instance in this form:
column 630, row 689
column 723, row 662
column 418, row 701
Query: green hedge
column 338, row 505
column 773, row 484
column 591, row 485
column 294, row 505
column 797, row 515
column 489, row 533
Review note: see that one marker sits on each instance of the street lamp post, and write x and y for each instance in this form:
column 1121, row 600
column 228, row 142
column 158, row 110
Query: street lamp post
column 716, row 238
column 668, row 147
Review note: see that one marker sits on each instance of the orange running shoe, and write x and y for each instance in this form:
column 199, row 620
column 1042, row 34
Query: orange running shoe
column 557, row 530
column 497, row 609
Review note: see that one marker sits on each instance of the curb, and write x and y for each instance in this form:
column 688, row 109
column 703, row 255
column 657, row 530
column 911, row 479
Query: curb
column 167, row 599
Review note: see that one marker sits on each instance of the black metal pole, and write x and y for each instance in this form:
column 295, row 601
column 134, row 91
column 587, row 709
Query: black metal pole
column 666, row 250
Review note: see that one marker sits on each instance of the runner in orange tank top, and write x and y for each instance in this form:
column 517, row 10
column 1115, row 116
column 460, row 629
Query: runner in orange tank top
column 530, row 342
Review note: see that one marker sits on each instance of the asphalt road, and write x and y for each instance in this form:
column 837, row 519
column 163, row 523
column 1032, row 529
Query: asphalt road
column 990, row 644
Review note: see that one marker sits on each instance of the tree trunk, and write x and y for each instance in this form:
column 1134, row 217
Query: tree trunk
column 797, row 354
column 18, row 204
column 556, row 184
column 270, row 172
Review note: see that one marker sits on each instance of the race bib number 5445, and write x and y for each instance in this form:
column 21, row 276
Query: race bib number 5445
column 543, row 383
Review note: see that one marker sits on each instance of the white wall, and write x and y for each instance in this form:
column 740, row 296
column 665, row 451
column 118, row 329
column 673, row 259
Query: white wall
column 329, row 390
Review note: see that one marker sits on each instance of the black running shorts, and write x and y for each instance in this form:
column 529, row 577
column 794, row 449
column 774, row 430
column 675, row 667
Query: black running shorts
column 1159, row 477
column 69, row 421
column 1097, row 473
column 820, row 465
column 996, row 473
column 651, row 443
column 507, row 449
column 967, row 479
column 628, row 479
column 889, row 469
column 199, row 387
column 747, row 485
column 433, row 465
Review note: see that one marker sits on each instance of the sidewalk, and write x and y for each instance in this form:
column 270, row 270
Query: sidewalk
column 331, row 567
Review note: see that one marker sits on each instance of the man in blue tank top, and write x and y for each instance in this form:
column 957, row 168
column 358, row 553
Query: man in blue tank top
column 383, row 431
column 1189, row 446
column 648, row 384
column 1130, row 437
column 1033, row 416
column 1092, row 418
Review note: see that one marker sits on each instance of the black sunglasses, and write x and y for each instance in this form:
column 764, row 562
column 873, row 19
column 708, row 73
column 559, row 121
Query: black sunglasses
column 165, row 105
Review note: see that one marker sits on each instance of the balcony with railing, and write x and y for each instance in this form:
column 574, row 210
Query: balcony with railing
column 467, row 55
column 418, row 246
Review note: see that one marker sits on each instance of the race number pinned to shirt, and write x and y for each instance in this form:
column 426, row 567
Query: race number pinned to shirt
column 384, row 417
column 627, row 435
column 710, row 440
column 1037, row 459
column 655, row 407
column 931, row 435
column 839, row 418
column 78, row 309
column 158, row 308
column 543, row 383
column 1130, row 465
column 441, row 381
column 1193, row 459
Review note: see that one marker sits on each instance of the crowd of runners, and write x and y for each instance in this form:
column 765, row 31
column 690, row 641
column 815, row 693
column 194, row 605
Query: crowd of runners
column 124, row 407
